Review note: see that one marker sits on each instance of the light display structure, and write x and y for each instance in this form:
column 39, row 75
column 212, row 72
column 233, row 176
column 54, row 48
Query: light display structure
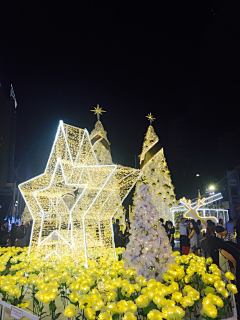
column 205, row 212
column 192, row 211
column 101, row 147
column 156, row 174
column 73, row 201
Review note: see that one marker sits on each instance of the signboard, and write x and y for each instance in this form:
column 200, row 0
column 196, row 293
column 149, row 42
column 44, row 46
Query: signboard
column 16, row 313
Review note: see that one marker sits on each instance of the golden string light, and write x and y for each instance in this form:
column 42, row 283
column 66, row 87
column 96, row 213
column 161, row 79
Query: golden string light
column 192, row 211
column 101, row 147
column 156, row 174
column 72, row 203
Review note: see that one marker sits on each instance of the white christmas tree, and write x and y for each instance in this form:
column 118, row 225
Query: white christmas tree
column 148, row 251
column 156, row 174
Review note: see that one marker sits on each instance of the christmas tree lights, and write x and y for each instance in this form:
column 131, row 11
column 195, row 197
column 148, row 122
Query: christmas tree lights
column 72, row 203
column 101, row 147
column 156, row 174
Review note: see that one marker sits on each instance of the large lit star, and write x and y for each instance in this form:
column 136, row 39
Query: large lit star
column 73, row 201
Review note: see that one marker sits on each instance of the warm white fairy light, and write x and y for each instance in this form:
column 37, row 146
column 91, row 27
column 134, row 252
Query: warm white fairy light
column 73, row 201
column 192, row 211
column 102, row 150
column 204, row 212
column 156, row 174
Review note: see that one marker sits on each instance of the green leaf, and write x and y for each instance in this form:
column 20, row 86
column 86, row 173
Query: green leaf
column 66, row 297
column 226, row 301
column 115, row 316
column 221, row 312
column 120, row 294
column 11, row 301
column 153, row 305
column 146, row 310
column 187, row 315
column 94, row 286
column 128, row 298
column 195, row 303
column 202, row 286
column 150, row 307
column 57, row 315
column 135, row 296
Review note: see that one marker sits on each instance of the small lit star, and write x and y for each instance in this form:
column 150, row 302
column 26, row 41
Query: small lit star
column 98, row 111
column 150, row 118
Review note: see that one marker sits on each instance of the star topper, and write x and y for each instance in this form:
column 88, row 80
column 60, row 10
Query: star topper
column 73, row 201
column 98, row 111
column 150, row 118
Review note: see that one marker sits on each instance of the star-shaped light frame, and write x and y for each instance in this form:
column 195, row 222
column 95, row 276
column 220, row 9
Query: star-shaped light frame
column 98, row 111
column 72, row 203
column 150, row 118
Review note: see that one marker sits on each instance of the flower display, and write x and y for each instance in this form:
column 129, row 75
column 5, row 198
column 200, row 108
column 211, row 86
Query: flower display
column 106, row 290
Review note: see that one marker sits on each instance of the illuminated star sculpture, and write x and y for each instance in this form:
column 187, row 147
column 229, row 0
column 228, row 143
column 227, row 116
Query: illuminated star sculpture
column 98, row 111
column 72, row 203
column 150, row 118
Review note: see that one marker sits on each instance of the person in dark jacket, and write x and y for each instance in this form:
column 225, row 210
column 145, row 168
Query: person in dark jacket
column 4, row 236
column 13, row 234
column 116, row 231
column 28, row 230
column 228, row 249
column 126, row 234
column 21, row 238
column 170, row 233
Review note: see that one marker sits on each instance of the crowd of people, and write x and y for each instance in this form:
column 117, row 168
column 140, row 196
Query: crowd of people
column 18, row 236
column 121, row 238
column 191, row 235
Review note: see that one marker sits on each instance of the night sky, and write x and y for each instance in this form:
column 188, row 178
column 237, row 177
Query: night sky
column 171, row 58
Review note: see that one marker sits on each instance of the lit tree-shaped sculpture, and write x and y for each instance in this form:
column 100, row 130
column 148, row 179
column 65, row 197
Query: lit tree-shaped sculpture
column 100, row 143
column 68, row 199
column 156, row 174
column 148, row 251
column 101, row 147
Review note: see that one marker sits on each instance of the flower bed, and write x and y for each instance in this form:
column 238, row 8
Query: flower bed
column 192, row 288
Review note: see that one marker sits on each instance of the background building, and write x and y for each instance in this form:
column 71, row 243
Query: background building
column 234, row 193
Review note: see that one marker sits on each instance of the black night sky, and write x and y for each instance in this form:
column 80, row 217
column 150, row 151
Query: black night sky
column 176, row 59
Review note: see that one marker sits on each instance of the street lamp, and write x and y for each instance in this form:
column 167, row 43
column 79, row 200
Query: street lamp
column 211, row 188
